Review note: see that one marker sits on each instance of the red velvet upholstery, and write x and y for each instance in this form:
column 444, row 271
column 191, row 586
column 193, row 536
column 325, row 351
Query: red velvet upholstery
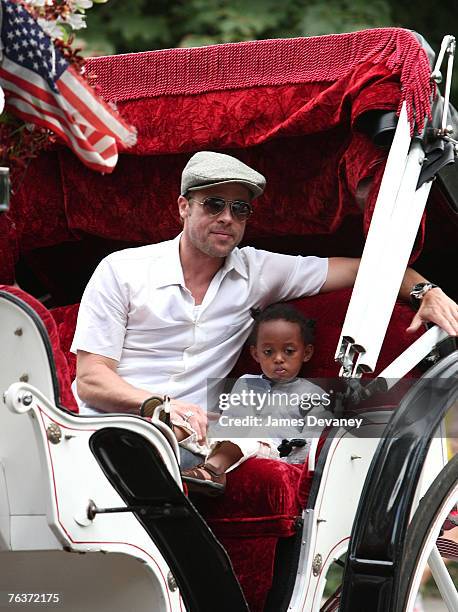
column 65, row 319
column 253, row 562
column 329, row 311
column 270, row 507
column 259, row 507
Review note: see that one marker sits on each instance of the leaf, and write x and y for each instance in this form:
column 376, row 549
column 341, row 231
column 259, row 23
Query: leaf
column 145, row 28
column 337, row 16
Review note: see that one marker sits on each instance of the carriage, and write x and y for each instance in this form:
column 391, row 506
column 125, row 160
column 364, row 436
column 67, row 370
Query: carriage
column 350, row 132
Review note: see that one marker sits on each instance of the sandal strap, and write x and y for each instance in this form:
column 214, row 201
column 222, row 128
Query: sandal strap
column 193, row 472
column 211, row 470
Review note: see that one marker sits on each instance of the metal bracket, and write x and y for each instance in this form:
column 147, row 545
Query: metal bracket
column 348, row 356
column 448, row 47
column 165, row 510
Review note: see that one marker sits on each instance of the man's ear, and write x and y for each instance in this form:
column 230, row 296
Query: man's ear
column 309, row 348
column 254, row 352
column 183, row 207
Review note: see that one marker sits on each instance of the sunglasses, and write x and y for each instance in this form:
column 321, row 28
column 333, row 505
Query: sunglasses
column 213, row 206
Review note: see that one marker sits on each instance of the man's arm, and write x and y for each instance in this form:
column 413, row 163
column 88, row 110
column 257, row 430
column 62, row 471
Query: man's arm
column 100, row 386
column 342, row 273
column 436, row 306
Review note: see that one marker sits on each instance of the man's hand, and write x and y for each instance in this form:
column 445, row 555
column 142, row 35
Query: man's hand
column 436, row 307
column 192, row 414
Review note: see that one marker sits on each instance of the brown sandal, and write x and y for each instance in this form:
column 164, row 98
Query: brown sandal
column 197, row 482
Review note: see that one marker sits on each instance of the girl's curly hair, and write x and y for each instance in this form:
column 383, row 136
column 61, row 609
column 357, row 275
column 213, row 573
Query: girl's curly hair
column 284, row 312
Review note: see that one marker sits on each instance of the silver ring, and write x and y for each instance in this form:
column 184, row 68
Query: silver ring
column 187, row 415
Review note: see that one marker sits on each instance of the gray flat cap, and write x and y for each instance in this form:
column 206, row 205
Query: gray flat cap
column 208, row 168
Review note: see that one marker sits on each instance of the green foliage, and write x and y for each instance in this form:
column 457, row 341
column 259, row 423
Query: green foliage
column 138, row 25
column 336, row 16
column 120, row 27
column 220, row 21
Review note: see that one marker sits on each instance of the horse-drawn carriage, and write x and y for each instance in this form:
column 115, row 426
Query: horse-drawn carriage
column 339, row 126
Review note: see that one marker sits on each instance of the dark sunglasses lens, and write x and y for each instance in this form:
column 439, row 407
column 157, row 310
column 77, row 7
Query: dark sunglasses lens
column 241, row 209
column 213, row 206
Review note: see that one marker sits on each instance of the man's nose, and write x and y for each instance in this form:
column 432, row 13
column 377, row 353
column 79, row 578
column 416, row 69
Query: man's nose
column 278, row 358
column 226, row 216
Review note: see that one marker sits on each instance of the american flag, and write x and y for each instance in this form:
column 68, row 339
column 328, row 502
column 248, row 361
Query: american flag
column 42, row 87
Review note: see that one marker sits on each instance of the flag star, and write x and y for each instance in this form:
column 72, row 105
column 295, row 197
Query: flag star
column 25, row 43
column 40, row 34
column 10, row 35
column 30, row 54
column 33, row 43
column 9, row 9
column 19, row 19
column 39, row 53
column 20, row 57
column 35, row 65
column 42, row 46
column 25, row 31
column 16, row 46
column 17, row 32
column 62, row 61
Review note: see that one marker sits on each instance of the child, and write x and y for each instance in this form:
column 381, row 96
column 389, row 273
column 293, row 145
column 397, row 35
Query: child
column 281, row 341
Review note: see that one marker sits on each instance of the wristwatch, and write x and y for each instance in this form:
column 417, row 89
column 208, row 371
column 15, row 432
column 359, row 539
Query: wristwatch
column 418, row 292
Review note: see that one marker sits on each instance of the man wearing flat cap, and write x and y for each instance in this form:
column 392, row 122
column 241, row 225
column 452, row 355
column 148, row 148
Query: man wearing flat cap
column 165, row 318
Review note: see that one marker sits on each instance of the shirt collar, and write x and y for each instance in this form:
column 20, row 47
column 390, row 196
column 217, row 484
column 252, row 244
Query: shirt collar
column 171, row 272
column 273, row 382
column 234, row 261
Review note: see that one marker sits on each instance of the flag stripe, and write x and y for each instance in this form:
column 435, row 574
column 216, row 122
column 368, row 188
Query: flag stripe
column 28, row 114
column 33, row 85
column 93, row 141
column 91, row 156
column 42, row 87
column 38, row 102
column 100, row 114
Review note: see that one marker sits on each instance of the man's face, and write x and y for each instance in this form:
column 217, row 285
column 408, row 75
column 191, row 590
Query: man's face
column 217, row 235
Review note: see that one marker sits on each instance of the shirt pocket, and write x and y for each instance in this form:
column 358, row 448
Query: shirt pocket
column 166, row 339
column 215, row 335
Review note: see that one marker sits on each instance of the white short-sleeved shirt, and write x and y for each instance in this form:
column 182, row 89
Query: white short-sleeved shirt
column 137, row 310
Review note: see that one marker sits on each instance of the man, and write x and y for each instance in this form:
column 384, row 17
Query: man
column 167, row 317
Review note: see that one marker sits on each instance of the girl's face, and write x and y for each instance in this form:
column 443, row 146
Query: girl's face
column 280, row 349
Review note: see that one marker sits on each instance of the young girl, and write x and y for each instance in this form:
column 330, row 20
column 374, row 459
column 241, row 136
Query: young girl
column 281, row 341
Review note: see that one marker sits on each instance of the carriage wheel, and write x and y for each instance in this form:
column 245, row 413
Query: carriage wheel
column 432, row 539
